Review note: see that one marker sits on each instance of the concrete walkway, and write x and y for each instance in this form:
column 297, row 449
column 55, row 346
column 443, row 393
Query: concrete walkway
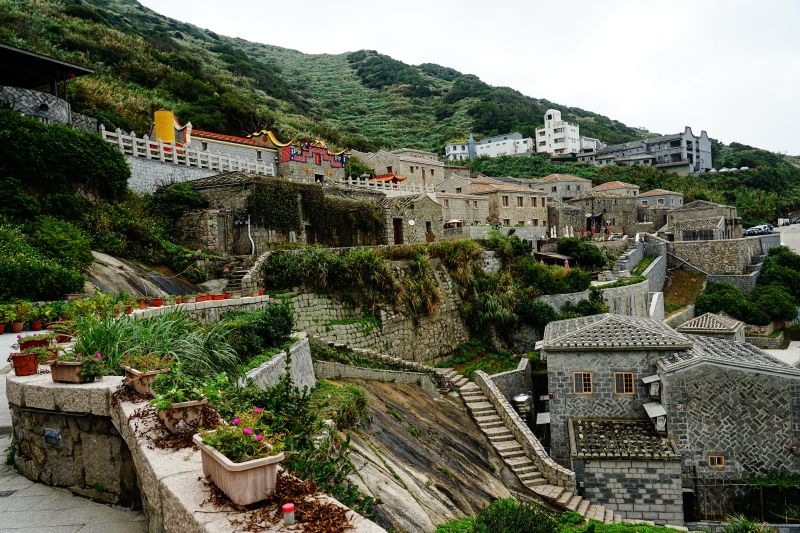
column 790, row 355
column 37, row 508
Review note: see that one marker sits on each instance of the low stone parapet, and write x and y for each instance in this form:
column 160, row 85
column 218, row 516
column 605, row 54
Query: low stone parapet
column 554, row 473
column 771, row 343
column 211, row 310
column 327, row 369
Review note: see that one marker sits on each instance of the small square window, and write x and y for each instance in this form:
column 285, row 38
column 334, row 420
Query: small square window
column 506, row 222
column 446, row 202
column 466, row 203
column 582, row 382
column 520, row 222
column 458, row 190
column 623, row 382
column 533, row 201
column 520, row 201
column 716, row 461
column 553, row 189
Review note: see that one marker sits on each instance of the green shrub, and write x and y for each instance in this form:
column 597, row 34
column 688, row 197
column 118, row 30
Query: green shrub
column 173, row 200
column 62, row 241
column 508, row 516
column 586, row 254
column 547, row 279
column 506, row 247
column 722, row 297
column 28, row 275
column 252, row 332
column 773, row 301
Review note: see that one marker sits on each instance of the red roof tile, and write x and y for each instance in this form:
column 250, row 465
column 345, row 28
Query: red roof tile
column 224, row 138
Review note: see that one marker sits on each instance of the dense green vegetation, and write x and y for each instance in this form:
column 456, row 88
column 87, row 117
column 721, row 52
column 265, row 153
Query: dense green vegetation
column 775, row 296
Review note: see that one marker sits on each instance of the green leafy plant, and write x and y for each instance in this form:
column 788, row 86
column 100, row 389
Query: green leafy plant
column 177, row 386
column 244, row 438
column 147, row 362
column 43, row 354
column 8, row 313
column 93, row 366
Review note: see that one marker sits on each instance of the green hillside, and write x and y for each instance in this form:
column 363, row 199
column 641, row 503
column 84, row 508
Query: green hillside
column 364, row 100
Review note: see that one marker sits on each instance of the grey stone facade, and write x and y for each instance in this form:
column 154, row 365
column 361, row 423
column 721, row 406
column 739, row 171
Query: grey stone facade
column 723, row 257
column 208, row 230
column 411, row 220
column 472, row 210
column 515, row 382
column 147, row 175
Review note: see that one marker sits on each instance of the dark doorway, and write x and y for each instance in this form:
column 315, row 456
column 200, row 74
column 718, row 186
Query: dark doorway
column 310, row 237
column 429, row 232
column 222, row 232
column 318, row 178
column 688, row 507
column 398, row 230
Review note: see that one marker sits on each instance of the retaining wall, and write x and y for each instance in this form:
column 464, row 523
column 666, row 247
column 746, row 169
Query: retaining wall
column 526, row 233
column 554, row 473
column 329, row 370
column 766, row 342
column 147, row 175
column 628, row 300
column 680, row 317
column 210, row 311
column 656, row 273
column 516, row 381
column 745, row 283
column 722, row 257
column 656, row 305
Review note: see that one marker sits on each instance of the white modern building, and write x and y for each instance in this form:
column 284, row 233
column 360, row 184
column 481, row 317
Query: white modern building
column 559, row 137
column 457, row 151
column 512, row 144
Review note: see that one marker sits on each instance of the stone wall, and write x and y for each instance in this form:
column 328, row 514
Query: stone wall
column 490, row 263
column 515, row 382
column 429, row 338
column 632, row 300
column 527, row 233
column 424, row 212
column 210, row 311
column 147, row 175
column 328, row 370
column 629, row 259
column 268, row 374
column 309, row 172
column 745, row 283
column 728, row 257
column 554, row 473
column 202, row 229
column 463, row 207
column 680, row 317
column 638, row 490
column 766, row 342
column 37, row 104
column 656, row 273
column 656, row 305
column 523, row 339
column 82, row 122
column 66, row 438
column 603, row 402
column 769, row 329
column 749, row 417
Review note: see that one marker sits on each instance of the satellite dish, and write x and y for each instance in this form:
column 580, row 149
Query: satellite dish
column 588, row 215
column 411, row 222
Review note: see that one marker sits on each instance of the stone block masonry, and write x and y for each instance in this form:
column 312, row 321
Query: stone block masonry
column 329, row 370
column 147, row 175
column 637, row 489
column 766, row 342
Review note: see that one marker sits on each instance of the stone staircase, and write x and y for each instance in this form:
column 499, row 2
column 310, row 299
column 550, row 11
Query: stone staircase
column 235, row 280
column 506, row 445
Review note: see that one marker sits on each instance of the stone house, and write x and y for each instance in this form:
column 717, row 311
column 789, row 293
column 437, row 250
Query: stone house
column 690, row 407
column 619, row 188
column 660, row 197
column 512, row 205
column 208, row 230
column 413, row 219
column 563, row 187
column 562, row 215
column 651, row 218
column 411, row 164
column 231, row 145
column 720, row 326
column 602, row 209
column 703, row 221
column 471, row 209
column 464, row 172
column 454, row 184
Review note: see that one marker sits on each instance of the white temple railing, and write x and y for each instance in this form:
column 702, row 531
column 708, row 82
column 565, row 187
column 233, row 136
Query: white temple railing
column 387, row 186
column 178, row 155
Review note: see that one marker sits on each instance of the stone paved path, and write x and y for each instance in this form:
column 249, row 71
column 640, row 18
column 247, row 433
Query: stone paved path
column 31, row 507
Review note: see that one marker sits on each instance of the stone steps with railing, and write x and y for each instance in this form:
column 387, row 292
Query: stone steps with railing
column 505, row 444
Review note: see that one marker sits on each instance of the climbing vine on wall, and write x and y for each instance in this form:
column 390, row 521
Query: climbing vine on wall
column 283, row 205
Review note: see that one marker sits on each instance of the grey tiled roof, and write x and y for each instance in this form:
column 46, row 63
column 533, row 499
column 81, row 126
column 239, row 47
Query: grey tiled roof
column 700, row 223
column 400, row 201
column 618, row 438
column 699, row 204
column 711, row 322
column 227, row 178
column 612, row 332
column 721, row 351
column 620, row 147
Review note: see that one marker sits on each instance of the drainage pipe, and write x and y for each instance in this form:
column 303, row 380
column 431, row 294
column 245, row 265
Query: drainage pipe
column 252, row 244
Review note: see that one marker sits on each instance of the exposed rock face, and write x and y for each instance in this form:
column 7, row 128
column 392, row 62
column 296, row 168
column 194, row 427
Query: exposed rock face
column 110, row 274
column 447, row 471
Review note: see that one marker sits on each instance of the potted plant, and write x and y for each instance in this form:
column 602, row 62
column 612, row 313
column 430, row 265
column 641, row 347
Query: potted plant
column 142, row 303
column 35, row 341
column 7, row 314
column 180, row 398
column 141, row 370
column 22, row 309
column 73, row 368
column 63, row 330
column 220, row 296
column 241, row 459
column 44, row 354
column 35, row 316
column 189, row 298
column 157, row 302
column 24, row 364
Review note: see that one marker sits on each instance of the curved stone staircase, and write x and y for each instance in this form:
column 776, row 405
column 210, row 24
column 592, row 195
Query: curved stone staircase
column 513, row 454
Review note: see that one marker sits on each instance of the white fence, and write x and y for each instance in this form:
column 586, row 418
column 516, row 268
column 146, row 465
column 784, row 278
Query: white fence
column 387, row 186
column 179, row 155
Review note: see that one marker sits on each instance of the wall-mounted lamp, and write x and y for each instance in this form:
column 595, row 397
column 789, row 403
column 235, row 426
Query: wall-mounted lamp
column 792, row 449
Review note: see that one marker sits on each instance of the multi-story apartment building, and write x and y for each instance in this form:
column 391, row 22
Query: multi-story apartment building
column 682, row 153
column 559, row 137
column 460, row 151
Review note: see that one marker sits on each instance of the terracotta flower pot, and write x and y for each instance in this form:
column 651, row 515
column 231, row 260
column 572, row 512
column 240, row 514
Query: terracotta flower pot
column 36, row 326
column 219, row 297
column 179, row 300
column 261, row 293
column 141, row 381
column 244, row 483
column 226, row 295
column 157, row 302
column 2, row 328
column 65, row 371
column 191, row 300
column 129, row 310
column 142, row 303
column 25, row 364
column 189, row 412
column 61, row 339
column 16, row 327
column 32, row 343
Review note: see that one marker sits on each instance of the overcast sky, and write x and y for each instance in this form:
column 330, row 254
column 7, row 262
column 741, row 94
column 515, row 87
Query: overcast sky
column 730, row 67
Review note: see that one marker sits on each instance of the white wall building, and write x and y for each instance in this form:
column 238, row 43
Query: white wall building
column 456, row 151
column 507, row 144
column 559, row 137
